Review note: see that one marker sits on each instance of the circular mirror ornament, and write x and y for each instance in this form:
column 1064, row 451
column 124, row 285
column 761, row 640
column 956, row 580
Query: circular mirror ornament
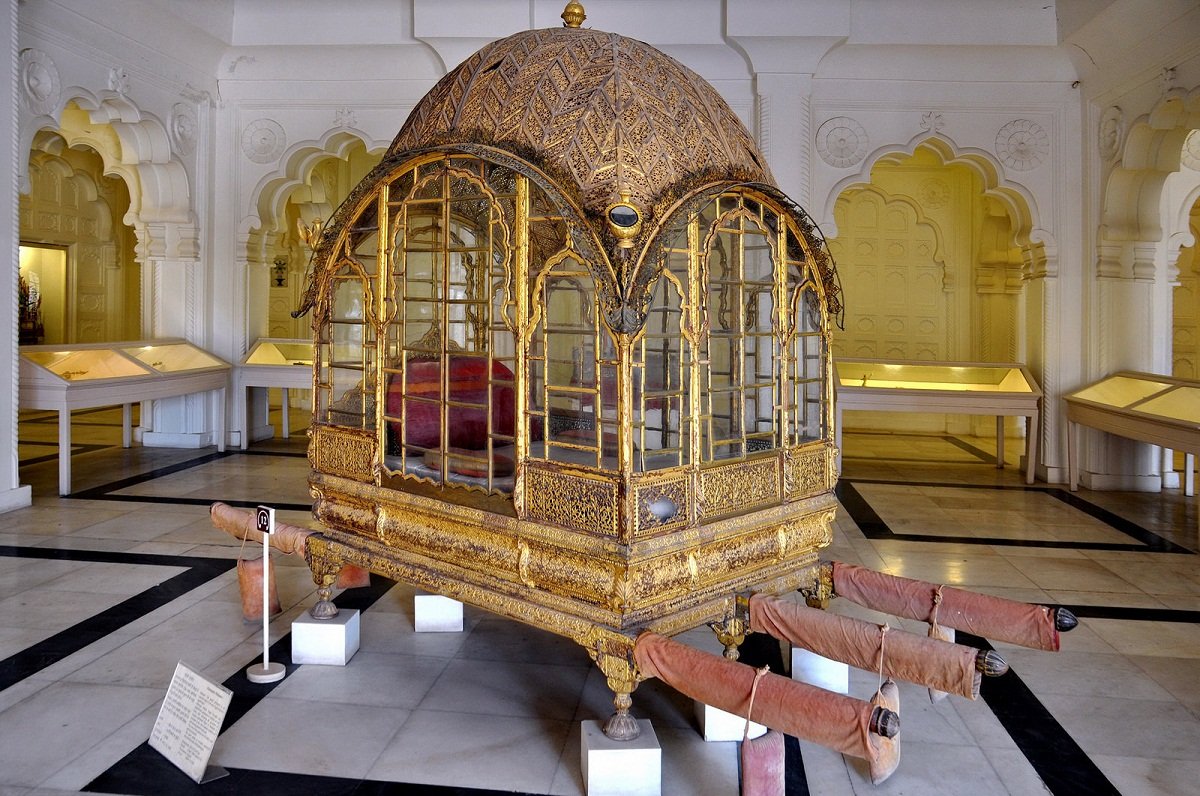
column 624, row 220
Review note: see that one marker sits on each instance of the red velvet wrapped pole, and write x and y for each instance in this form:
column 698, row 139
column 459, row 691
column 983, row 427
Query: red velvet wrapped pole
column 804, row 711
column 916, row 659
column 994, row 618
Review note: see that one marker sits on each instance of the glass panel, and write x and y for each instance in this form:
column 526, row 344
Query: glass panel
column 661, row 416
column 451, row 409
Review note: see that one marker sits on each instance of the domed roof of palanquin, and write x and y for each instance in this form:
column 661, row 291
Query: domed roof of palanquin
column 600, row 110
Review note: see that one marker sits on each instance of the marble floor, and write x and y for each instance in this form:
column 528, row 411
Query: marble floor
column 103, row 592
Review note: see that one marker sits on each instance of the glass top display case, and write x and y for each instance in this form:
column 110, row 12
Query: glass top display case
column 274, row 362
column 969, row 388
column 1148, row 407
column 277, row 351
column 63, row 377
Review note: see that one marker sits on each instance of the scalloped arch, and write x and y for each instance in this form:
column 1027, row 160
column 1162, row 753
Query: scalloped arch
column 133, row 145
column 1152, row 152
column 270, row 196
column 1017, row 200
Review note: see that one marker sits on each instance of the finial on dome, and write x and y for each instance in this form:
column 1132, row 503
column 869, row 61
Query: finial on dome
column 573, row 15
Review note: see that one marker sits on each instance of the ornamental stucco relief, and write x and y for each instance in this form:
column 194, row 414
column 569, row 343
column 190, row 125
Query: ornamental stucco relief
column 263, row 140
column 1190, row 156
column 1112, row 129
column 842, row 142
column 933, row 193
column 40, row 86
column 183, row 128
column 1022, row 144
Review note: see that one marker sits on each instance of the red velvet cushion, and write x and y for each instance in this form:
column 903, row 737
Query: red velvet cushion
column 468, row 384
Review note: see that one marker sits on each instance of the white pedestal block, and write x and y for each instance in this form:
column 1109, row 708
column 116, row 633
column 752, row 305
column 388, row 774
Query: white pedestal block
column 721, row 725
column 620, row 768
column 809, row 667
column 329, row 641
column 434, row 613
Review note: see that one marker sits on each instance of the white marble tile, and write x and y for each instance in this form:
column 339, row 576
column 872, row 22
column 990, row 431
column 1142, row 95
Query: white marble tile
column 507, row 689
column 458, row 749
column 1170, row 639
column 1127, row 727
column 308, row 737
column 370, row 678
column 1149, row 776
column 42, row 734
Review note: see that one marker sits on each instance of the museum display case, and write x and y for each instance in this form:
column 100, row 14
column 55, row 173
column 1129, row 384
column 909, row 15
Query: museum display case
column 274, row 362
column 968, row 388
column 88, row 375
column 583, row 386
column 1161, row 410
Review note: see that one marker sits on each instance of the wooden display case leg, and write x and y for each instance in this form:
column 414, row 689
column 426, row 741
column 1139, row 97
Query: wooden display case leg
column 999, row 442
column 64, row 451
column 1033, row 432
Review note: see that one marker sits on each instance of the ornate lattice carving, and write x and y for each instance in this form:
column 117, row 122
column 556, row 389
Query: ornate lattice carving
column 343, row 452
column 581, row 504
column 606, row 110
column 743, row 485
column 647, row 494
column 807, row 472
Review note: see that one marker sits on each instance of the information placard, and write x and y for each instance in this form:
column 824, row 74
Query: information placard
column 189, row 720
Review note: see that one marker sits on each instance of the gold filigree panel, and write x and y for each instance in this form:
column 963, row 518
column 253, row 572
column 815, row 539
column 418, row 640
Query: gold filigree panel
column 739, row 486
column 571, row 501
column 808, row 471
column 344, row 452
column 653, row 498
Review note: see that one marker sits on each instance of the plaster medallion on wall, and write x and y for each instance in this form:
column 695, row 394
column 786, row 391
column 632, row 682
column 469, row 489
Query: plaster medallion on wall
column 932, row 121
column 183, row 127
column 842, row 142
column 1022, row 144
column 933, row 193
column 344, row 117
column 1112, row 127
column 1190, row 156
column 263, row 140
column 39, row 81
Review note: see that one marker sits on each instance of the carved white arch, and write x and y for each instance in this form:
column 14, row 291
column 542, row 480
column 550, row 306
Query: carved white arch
column 268, row 211
column 1152, row 152
column 1017, row 200
column 134, row 146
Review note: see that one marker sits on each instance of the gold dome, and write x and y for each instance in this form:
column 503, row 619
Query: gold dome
column 599, row 112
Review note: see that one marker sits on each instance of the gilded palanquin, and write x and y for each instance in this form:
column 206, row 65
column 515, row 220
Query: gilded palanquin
column 572, row 358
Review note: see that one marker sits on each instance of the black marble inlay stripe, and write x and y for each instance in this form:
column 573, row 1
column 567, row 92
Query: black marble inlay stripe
column 873, row 526
column 47, row 652
column 110, row 490
column 76, row 448
column 1063, row 766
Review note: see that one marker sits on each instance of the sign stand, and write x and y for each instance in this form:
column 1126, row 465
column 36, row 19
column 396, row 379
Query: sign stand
column 266, row 672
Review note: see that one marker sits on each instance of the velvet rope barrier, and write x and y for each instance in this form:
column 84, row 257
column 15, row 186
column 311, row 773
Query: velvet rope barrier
column 990, row 617
column 915, row 659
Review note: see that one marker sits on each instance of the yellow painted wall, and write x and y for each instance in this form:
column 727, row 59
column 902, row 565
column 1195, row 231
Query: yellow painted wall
column 930, row 272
